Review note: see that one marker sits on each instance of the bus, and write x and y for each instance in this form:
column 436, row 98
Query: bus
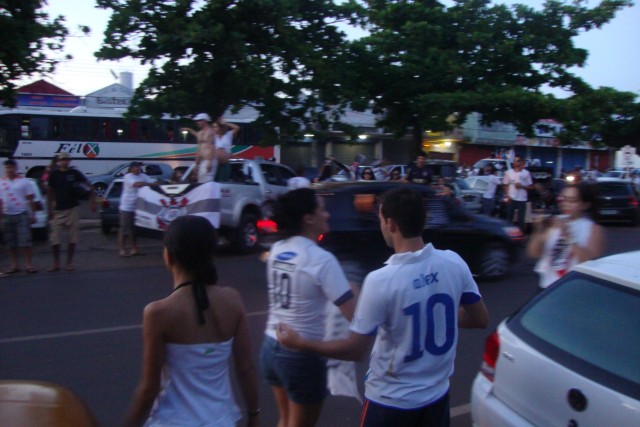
column 100, row 139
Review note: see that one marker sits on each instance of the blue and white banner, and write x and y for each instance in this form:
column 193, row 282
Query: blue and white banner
column 156, row 207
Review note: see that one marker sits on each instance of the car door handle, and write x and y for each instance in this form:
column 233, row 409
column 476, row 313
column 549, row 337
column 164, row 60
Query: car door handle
column 508, row 356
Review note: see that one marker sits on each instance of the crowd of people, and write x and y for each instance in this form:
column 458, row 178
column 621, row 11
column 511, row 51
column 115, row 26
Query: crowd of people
column 192, row 336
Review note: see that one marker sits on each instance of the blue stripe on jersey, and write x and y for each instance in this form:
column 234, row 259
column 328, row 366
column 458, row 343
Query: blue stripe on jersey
column 468, row 298
column 344, row 298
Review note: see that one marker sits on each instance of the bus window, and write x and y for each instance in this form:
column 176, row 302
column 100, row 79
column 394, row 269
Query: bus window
column 80, row 129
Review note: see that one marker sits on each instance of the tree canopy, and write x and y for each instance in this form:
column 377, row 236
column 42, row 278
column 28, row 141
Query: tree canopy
column 209, row 56
column 423, row 65
column 422, row 61
column 28, row 41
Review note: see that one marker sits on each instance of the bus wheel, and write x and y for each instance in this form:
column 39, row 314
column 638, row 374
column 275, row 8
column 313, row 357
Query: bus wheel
column 35, row 172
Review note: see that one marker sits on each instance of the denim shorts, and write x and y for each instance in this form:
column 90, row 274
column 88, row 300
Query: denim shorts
column 302, row 375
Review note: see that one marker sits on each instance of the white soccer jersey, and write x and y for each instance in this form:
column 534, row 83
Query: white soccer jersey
column 301, row 278
column 414, row 301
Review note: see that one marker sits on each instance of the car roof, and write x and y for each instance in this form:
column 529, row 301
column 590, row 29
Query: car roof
column 623, row 269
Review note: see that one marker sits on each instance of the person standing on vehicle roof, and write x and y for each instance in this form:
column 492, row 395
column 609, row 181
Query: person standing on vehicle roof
column 206, row 151
column 517, row 183
column 419, row 172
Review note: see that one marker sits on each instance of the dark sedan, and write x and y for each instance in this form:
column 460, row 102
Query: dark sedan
column 618, row 201
column 488, row 245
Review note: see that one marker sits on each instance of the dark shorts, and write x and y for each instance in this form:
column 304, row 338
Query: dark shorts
column 435, row 414
column 17, row 230
column 302, row 375
column 126, row 222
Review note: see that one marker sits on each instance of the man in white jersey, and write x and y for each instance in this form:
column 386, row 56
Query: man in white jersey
column 412, row 309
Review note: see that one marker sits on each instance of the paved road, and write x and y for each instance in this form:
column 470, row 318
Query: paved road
column 82, row 329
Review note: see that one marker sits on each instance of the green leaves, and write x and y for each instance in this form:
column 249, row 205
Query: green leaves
column 28, row 43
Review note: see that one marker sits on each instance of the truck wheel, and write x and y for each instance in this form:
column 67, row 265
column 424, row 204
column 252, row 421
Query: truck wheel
column 246, row 239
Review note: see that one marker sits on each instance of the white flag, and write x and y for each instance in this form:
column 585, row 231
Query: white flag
column 156, row 207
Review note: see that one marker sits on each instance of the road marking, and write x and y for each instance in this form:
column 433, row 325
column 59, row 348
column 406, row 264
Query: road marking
column 68, row 334
column 460, row 410
column 90, row 331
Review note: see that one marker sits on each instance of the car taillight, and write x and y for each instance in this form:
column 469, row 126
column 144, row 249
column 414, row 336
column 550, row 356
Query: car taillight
column 320, row 237
column 267, row 226
column 633, row 201
column 490, row 357
column 514, row 233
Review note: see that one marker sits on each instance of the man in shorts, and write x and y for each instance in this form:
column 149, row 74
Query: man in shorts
column 63, row 198
column 207, row 155
column 410, row 310
column 132, row 182
column 17, row 207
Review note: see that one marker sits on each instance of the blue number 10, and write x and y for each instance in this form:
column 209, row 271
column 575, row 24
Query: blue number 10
column 430, row 344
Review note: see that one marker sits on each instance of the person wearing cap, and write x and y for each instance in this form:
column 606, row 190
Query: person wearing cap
column 63, row 199
column 205, row 154
column 17, row 211
column 132, row 182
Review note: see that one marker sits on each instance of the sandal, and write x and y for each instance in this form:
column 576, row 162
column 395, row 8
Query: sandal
column 12, row 271
column 30, row 270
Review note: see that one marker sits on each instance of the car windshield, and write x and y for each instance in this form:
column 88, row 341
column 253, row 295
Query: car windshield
column 464, row 185
column 593, row 322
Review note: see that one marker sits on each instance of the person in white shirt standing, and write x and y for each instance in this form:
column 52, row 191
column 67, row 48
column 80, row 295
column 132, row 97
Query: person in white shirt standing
column 17, row 208
column 132, row 181
column 517, row 182
column 489, row 196
column 410, row 310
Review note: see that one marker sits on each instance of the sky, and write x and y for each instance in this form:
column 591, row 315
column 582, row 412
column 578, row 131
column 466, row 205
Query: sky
column 614, row 50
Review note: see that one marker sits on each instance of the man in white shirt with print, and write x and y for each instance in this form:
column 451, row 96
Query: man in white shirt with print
column 17, row 208
column 412, row 308
column 132, row 181
column 517, row 182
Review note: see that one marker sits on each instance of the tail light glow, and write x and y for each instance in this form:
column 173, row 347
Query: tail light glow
column 267, row 226
column 490, row 357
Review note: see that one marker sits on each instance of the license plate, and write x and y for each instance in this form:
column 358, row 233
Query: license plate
column 608, row 212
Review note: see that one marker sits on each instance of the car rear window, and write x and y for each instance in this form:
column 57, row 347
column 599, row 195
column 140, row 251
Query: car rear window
column 614, row 189
column 589, row 325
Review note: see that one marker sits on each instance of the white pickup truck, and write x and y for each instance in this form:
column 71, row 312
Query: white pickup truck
column 246, row 188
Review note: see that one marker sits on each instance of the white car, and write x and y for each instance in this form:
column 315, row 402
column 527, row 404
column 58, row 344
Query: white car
column 570, row 356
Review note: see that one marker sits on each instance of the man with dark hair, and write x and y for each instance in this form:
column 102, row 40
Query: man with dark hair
column 63, row 198
column 17, row 209
column 419, row 172
column 412, row 308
